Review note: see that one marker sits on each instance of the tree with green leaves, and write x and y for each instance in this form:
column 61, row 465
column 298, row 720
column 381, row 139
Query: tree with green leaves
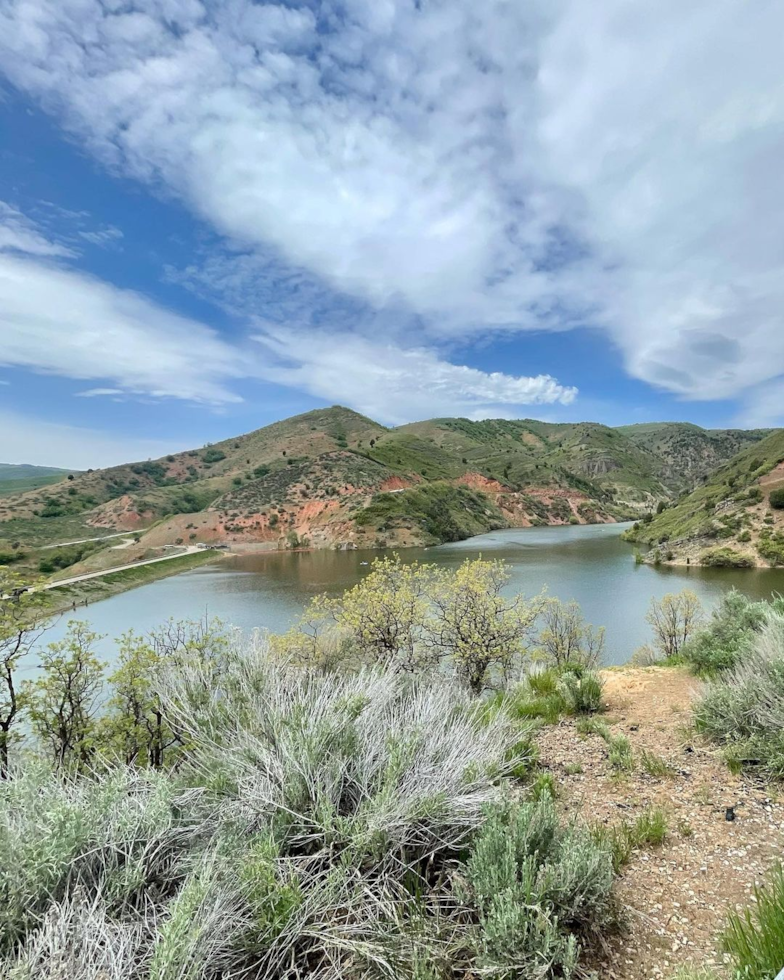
column 566, row 640
column 474, row 625
column 63, row 702
column 135, row 726
column 23, row 620
column 674, row 619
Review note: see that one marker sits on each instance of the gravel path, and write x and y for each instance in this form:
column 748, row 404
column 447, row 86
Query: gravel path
column 676, row 896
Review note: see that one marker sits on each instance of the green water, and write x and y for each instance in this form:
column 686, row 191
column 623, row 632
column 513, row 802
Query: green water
column 590, row 564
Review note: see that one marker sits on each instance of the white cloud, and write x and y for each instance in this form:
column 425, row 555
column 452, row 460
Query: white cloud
column 395, row 385
column 58, row 321
column 29, row 440
column 19, row 234
column 102, row 237
column 479, row 166
column 99, row 392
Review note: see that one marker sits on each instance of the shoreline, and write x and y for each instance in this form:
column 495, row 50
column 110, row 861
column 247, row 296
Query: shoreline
column 80, row 594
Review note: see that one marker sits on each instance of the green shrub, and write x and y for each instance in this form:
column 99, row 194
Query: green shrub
column 539, row 888
column 728, row 633
column 743, row 709
column 581, row 694
column 726, row 558
column 754, row 938
column 776, row 498
column 772, row 549
column 548, row 694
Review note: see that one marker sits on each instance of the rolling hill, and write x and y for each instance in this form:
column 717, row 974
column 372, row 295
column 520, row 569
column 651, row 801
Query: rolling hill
column 730, row 519
column 18, row 477
column 332, row 478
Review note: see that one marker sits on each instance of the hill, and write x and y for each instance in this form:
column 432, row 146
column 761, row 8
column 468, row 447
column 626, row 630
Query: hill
column 18, row 477
column 334, row 478
column 730, row 519
column 686, row 452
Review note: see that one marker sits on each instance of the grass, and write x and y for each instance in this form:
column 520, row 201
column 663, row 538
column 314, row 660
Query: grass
column 619, row 749
column 754, row 938
column 547, row 695
column 655, row 765
column 624, row 838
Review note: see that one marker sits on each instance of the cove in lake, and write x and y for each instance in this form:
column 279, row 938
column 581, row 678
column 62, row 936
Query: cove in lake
column 588, row 563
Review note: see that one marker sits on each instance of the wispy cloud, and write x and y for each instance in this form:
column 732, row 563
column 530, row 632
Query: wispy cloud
column 55, row 320
column 19, row 234
column 465, row 168
column 99, row 392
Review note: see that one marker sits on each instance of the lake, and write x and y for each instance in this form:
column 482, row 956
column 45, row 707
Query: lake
column 588, row 563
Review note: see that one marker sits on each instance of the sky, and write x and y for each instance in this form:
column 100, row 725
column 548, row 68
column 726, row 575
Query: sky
column 214, row 215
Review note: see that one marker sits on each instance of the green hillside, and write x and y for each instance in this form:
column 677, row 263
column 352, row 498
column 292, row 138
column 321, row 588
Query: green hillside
column 18, row 477
column 687, row 453
column 334, row 478
column 730, row 519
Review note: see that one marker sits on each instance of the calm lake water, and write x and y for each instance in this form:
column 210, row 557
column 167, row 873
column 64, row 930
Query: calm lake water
column 587, row 563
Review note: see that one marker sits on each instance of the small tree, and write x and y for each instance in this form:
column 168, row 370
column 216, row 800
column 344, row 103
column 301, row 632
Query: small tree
column 777, row 498
column 474, row 625
column 23, row 621
column 63, row 702
column 385, row 613
column 674, row 619
column 135, row 726
column 566, row 639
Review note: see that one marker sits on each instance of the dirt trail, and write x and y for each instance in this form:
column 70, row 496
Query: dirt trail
column 676, row 896
column 190, row 550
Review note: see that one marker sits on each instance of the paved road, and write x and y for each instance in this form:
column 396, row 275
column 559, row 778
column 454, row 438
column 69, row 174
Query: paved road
column 190, row 550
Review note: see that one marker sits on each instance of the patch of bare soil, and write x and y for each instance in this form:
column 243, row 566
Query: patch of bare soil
column 676, row 896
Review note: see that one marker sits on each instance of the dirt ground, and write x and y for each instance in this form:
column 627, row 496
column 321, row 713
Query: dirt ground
column 676, row 896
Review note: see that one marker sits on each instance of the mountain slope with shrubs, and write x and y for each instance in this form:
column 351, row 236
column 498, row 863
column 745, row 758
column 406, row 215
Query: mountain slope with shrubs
column 333, row 478
column 735, row 519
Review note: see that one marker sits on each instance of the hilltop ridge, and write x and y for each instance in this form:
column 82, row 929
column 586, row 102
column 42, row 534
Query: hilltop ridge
column 332, row 478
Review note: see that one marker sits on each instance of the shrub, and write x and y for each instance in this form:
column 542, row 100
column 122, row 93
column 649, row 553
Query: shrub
column 776, row 498
column 305, row 815
column 754, row 938
column 548, row 694
column 728, row 633
column 581, row 693
column 726, row 558
column 538, row 886
column 743, row 709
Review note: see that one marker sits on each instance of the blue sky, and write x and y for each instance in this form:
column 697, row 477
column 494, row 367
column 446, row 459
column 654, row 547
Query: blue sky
column 213, row 216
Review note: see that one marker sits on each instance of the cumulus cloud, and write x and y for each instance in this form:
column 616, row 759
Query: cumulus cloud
column 474, row 166
column 59, row 321
column 26, row 439
column 398, row 385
